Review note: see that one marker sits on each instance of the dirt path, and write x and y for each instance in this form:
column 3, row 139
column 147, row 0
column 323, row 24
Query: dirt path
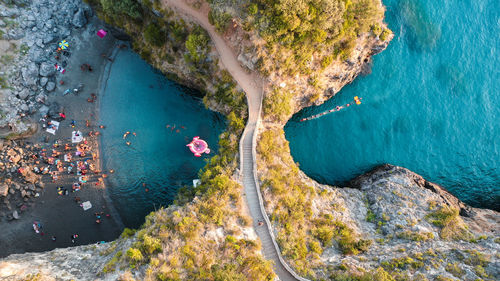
column 252, row 85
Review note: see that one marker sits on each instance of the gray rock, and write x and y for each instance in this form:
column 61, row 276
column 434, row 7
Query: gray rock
column 41, row 98
column 44, row 110
column 24, row 107
column 23, row 94
column 2, row 24
column 47, row 69
column 30, row 74
column 79, row 19
column 49, row 24
column 44, row 81
column 8, row 12
column 15, row 215
column 37, row 55
column 4, row 189
column 48, row 38
column 14, row 34
column 39, row 42
column 50, row 86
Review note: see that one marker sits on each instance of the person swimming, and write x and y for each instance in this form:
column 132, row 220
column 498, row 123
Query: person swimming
column 125, row 135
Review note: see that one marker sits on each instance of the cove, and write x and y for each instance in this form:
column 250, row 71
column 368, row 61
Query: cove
column 431, row 104
column 139, row 99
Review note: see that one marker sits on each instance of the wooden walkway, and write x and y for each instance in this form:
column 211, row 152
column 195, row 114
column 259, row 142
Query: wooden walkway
column 252, row 85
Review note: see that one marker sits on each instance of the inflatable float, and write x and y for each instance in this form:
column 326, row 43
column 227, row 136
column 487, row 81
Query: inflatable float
column 198, row 146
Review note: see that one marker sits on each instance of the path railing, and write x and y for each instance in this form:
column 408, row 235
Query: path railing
column 248, row 172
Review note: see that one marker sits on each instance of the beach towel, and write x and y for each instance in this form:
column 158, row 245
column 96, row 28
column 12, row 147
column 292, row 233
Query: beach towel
column 53, row 129
column 86, row 205
column 76, row 137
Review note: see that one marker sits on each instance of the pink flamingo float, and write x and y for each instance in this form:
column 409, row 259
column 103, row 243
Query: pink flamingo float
column 198, row 146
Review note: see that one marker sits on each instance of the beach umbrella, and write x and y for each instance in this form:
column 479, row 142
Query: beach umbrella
column 63, row 45
column 101, row 33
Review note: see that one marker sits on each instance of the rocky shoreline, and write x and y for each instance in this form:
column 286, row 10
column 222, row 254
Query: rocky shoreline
column 390, row 206
column 34, row 94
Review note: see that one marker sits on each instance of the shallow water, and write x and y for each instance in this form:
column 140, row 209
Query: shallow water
column 140, row 99
column 431, row 104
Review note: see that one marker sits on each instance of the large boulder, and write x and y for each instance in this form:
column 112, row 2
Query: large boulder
column 24, row 94
column 30, row 74
column 47, row 69
column 43, row 81
column 50, row 86
column 37, row 54
column 79, row 19
column 4, row 189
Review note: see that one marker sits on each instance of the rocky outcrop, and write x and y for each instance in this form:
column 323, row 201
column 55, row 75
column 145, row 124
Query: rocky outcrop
column 32, row 30
column 396, row 208
column 74, row 263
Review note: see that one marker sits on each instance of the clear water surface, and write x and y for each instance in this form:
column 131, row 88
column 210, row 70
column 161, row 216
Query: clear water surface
column 431, row 104
column 140, row 99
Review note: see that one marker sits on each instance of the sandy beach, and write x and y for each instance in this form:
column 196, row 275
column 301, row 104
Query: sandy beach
column 60, row 215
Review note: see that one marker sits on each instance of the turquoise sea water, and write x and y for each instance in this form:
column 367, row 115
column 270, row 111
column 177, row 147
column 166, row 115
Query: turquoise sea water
column 140, row 99
column 431, row 104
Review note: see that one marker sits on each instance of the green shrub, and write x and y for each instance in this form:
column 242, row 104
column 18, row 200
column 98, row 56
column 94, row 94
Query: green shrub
column 127, row 232
column 479, row 270
column 324, row 234
column 477, row 258
column 220, row 20
column 370, row 216
column 134, row 255
column 252, row 9
column 278, row 104
column 402, row 263
column 384, row 36
column 376, row 29
column 452, row 226
column 154, row 35
column 197, row 45
column 117, row 8
column 455, row 270
column 326, row 61
column 415, row 236
column 150, row 244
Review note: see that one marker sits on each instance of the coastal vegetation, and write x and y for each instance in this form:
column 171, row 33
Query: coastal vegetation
column 204, row 235
column 302, row 233
column 310, row 29
column 452, row 226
